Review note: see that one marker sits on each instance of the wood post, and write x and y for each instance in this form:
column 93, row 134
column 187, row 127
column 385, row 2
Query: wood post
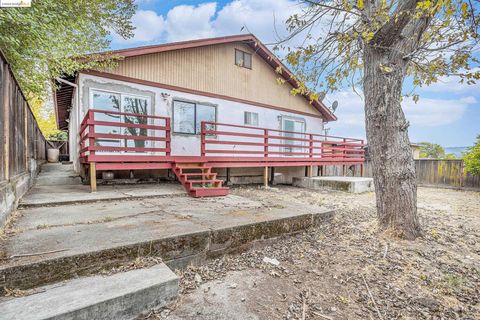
column 203, row 130
column 93, row 177
column 310, row 171
column 265, row 177
column 320, row 171
column 265, row 144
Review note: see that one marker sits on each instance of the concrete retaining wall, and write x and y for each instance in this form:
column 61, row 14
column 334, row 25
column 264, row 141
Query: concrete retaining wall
column 13, row 189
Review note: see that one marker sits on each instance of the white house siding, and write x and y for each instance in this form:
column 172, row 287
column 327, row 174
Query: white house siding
column 227, row 112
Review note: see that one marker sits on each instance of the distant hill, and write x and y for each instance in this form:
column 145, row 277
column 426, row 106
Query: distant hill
column 457, row 151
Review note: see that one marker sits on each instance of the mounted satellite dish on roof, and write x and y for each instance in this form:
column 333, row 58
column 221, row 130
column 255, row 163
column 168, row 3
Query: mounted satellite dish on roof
column 321, row 96
column 334, row 106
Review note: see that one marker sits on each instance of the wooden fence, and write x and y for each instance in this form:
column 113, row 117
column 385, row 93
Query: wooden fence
column 23, row 144
column 432, row 172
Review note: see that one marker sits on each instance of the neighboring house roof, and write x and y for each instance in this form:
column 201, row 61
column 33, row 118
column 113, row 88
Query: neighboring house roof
column 64, row 93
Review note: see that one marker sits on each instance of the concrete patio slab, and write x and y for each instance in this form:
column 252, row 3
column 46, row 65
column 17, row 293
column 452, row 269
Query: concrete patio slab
column 118, row 296
column 53, row 243
column 68, row 194
column 349, row 184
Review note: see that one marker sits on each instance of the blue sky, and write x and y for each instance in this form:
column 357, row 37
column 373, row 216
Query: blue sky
column 448, row 113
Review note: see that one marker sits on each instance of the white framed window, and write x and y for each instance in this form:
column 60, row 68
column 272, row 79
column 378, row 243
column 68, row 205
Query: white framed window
column 120, row 102
column 251, row 118
column 188, row 116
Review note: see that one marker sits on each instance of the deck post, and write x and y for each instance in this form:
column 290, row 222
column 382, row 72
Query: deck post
column 265, row 177
column 167, row 137
column 93, row 177
column 310, row 171
column 265, row 144
column 203, row 130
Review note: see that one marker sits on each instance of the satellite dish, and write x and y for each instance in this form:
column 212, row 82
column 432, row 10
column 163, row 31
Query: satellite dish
column 321, row 96
column 334, row 105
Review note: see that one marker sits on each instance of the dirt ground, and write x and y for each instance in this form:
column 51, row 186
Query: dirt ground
column 347, row 269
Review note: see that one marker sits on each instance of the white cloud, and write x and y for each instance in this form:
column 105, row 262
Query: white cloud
column 149, row 26
column 427, row 112
column 186, row 22
column 262, row 18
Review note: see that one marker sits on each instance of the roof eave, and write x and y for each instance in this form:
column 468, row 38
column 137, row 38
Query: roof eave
column 249, row 39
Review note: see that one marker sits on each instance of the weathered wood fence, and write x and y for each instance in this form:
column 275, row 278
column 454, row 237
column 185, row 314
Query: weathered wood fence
column 23, row 145
column 432, row 172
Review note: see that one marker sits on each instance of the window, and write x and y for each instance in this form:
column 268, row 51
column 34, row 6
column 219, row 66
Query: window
column 251, row 118
column 119, row 102
column 188, row 116
column 243, row 59
column 295, row 128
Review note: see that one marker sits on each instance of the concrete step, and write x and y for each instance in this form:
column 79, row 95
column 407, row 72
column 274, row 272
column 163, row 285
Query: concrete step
column 348, row 184
column 53, row 180
column 119, row 296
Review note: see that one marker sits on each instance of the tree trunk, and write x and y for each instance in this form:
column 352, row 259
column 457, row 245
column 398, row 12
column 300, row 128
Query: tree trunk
column 388, row 144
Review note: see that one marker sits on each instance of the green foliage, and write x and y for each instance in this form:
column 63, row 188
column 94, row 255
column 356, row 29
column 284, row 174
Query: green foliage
column 434, row 38
column 45, row 118
column 45, row 41
column 472, row 158
column 58, row 136
column 431, row 150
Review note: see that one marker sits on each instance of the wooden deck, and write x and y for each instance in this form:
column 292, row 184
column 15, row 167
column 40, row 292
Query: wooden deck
column 144, row 142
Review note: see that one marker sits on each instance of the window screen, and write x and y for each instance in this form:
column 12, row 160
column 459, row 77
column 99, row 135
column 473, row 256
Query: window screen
column 183, row 117
column 188, row 116
column 243, row 59
column 251, row 118
column 204, row 113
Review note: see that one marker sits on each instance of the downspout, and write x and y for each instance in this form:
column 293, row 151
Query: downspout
column 77, row 119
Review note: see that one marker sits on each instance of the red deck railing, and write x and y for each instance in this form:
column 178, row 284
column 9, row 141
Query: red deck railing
column 118, row 137
column 278, row 145
column 139, row 130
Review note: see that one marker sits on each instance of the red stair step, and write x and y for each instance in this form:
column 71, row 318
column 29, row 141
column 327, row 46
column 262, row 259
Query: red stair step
column 198, row 174
column 208, row 192
column 204, row 181
column 205, row 176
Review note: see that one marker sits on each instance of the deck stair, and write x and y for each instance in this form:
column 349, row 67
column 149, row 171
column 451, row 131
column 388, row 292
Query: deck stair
column 199, row 180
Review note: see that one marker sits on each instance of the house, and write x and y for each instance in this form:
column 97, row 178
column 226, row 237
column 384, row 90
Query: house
column 415, row 150
column 198, row 108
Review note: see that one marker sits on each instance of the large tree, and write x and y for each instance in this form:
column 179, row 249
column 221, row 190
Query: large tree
column 43, row 42
column 377, row 45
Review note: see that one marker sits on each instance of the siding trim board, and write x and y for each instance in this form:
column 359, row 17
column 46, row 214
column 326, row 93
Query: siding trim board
column 191, row 91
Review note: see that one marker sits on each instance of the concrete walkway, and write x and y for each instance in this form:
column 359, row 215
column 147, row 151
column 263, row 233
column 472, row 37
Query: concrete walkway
column 63, row 231
column 58, row 184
